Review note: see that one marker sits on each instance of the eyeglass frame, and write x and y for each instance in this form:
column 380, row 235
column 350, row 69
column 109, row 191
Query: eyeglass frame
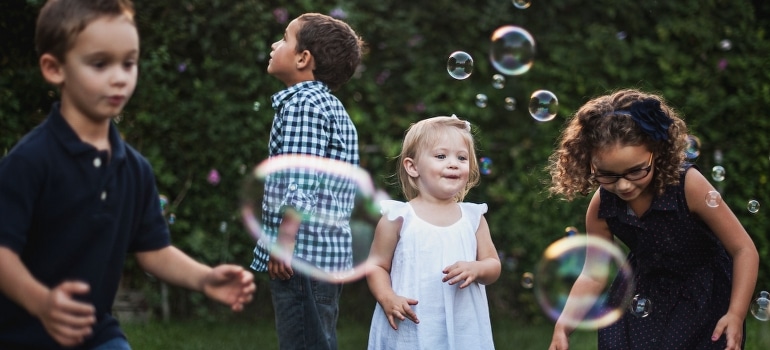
column 617, row 177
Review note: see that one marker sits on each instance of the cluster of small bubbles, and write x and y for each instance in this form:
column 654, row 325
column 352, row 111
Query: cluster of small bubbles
column 693, row 147
column 725, row 45
column 257, row 105
column 753, row 206
column 498, row 81
column 459, row 65
column 584, row 256
column 510, row 103
column 718, row 173
column 213, row 177
column 521, row 4
column 527, row 280
column 485, row 165
column 481, row 100
column 543, row 105
column 621, row 35
column 713, row 199
column 570, row 231
column 512, row 51
column 640, row 306
column 760, row 306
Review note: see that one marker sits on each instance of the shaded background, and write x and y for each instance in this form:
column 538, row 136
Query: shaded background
column 203, row 104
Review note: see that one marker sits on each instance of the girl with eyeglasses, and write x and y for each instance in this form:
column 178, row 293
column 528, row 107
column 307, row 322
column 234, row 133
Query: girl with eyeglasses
column 693, row 262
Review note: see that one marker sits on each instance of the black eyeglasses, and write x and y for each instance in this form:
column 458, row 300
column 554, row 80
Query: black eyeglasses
column 632, row 175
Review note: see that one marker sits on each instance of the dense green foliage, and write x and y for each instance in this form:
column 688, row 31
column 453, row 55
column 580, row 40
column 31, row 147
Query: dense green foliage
column 203, row 102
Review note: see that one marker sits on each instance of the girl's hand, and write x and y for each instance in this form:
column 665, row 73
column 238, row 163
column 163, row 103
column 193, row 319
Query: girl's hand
column 398, row 307
column 560, row 340
column 732, row 327
column 466, row 271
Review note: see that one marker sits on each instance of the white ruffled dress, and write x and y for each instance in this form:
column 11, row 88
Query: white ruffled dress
column 450, row 318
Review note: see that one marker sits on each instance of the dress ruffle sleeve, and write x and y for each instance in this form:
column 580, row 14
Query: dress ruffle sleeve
column 393, row 210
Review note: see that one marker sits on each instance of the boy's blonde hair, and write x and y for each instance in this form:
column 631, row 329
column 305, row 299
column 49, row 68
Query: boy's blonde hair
column 60, row 22
column 425, row 134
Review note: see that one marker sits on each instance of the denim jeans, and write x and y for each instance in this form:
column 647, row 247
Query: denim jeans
column 306, row 313
column 114, row 344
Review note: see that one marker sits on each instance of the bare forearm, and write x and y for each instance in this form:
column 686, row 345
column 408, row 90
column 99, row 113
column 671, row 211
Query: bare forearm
column 18, row 284
column 379, row 283
column 745, row 265
column 490, row 271
column 175, row 267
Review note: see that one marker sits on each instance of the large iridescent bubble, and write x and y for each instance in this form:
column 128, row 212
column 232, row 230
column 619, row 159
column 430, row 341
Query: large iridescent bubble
column 305, row 178
column 512, row 51
column 587, row 258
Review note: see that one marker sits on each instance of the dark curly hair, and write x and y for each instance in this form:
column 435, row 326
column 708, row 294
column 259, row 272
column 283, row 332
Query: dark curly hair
column 336, row 48
column 596, row 126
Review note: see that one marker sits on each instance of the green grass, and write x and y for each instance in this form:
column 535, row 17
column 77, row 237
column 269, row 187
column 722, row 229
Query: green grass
column 240, row 334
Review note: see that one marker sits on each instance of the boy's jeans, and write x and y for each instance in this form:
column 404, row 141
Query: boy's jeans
column 306, row 313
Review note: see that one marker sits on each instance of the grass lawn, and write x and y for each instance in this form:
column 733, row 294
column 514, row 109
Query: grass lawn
column 240, row 334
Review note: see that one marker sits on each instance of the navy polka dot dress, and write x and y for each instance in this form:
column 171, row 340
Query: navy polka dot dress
column 680, row 267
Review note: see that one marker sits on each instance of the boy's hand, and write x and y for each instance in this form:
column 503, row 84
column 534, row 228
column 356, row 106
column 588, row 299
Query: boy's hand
column 461, row 271
column 398, row 307
column 67, row 320
column 231, row 285
column 278, row 268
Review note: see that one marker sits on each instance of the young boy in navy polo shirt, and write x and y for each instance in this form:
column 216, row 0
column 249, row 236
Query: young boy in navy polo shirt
column 75, row 199
column 316, row 55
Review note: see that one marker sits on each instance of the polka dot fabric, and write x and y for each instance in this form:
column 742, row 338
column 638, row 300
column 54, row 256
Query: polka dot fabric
column 680, row 267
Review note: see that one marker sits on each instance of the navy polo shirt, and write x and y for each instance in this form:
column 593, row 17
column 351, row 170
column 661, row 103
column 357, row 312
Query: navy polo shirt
column 72, row 212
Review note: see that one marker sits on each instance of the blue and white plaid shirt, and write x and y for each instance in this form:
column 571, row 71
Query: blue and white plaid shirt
column 309, row 120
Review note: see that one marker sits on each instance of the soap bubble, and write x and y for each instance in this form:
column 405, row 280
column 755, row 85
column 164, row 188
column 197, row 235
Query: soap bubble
column 543, row 105
column 521, row 4
column 510, row 103
column 718, row 173
column 759, row 308
column 725, row 45
column 498, row 81
column 640, row 306
column 485, row 165
column 693, row 147
column 300, row 179
column 753, row 206
column 527, row 280
column 587, row 257
column 481, row 100
column 459, row 65
column 713, row 199
column 513, row 50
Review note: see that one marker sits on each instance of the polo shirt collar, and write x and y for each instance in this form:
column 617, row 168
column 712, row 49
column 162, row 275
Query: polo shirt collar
column 72, row 142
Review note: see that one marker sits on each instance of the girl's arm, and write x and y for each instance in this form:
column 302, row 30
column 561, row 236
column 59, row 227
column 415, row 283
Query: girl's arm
column 378, row 273
column 486, row 268
column 738, row 244
column 585, row 285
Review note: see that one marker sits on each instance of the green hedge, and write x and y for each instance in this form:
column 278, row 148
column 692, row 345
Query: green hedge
column 202, row 74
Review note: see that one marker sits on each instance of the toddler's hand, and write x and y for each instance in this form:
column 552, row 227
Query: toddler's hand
column 461, row 271
column 398, row 307
column 67, row 320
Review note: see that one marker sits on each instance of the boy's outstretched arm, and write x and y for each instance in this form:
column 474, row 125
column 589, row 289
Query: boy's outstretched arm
column 67, row 320
column 229, row 284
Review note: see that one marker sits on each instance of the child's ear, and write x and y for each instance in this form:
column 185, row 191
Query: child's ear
column 305, row 60
column 410, row 167
column 51, row 69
